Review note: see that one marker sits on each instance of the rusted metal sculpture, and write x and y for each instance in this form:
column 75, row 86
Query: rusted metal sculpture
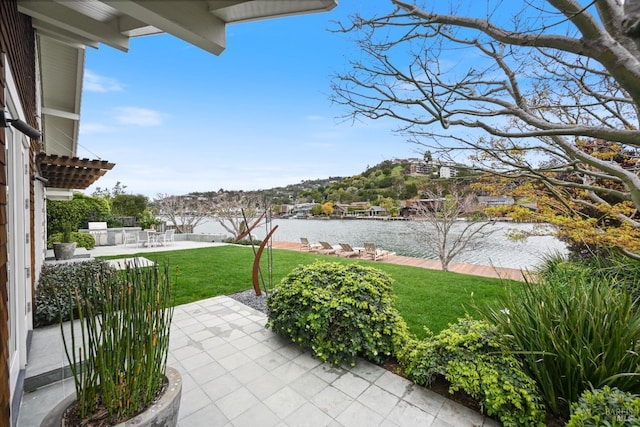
column 256, row 262
column 249, row 229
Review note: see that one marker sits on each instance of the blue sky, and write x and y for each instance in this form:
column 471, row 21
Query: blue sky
column 176, row 119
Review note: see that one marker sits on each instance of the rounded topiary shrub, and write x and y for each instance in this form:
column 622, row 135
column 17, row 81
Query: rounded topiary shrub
column 83, row 240
column 339, row 311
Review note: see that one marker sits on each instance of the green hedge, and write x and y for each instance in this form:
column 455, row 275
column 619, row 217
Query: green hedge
column 83, row 240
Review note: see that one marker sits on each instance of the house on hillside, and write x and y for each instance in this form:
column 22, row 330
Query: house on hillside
column 42, row 56
column 493, row 201
column 302, row 210
column 434, row 167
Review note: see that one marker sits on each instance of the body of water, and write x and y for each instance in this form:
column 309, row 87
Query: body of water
column 408, row 238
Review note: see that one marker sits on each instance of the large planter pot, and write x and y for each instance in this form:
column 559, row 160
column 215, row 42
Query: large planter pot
column 64, row 250
column 164, row 412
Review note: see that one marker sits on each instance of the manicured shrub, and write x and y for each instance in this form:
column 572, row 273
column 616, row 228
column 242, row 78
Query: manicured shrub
column 57, row 281
column 472, row 356
column 83, row 240
column 338, row 311
column 573, row 335
column 605, row 407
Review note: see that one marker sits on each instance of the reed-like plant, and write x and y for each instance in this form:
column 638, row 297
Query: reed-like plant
column 118, row 357
column 573, row 334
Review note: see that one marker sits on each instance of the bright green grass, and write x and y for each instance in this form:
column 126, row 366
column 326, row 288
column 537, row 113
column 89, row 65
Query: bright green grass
column 430, row 298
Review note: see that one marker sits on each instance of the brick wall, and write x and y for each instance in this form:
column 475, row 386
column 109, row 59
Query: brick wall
column 17, row 42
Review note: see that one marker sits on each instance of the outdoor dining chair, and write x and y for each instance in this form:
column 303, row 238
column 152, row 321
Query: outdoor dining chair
column 166, row 237
column 143, row 239
column 129, row 237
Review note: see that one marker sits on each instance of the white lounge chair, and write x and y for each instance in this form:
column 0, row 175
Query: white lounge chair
column 370, row 250
column 327, row 249
column 347, row 251
column 308, row 247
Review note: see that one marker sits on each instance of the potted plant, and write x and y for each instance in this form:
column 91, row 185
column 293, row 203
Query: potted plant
column 66, row 247
column 118, row 352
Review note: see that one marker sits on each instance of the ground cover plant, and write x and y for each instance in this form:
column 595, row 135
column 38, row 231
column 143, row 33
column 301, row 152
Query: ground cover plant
column 56, row 282
column 474, row 357
column 606, row 406
column 223, row 270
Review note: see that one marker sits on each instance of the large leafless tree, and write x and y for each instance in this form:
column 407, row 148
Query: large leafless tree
column 183, row 212
column 527, row 87
column 237, row 212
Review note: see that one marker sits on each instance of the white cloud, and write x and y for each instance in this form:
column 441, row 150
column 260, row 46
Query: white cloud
column 139, row 116
column 314, row 118
column 93, row 128
column 96, row 83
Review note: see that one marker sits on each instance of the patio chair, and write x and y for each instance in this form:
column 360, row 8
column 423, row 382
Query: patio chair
column 327, row 249
column 348, row 251
column 372, row 251
column 129, row 238
column 143, row 238
column 166, row 237
column 308, row 247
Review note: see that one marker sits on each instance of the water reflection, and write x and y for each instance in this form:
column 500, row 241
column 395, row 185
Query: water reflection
column 401, row 237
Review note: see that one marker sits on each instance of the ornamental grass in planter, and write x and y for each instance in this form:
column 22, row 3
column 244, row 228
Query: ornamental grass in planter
column 119, row 354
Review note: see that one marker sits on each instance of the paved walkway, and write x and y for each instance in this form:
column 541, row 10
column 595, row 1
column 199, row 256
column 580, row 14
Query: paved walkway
column 237, row 373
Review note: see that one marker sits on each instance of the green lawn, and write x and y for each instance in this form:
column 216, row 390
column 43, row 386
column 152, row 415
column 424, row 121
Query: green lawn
column 424, row 297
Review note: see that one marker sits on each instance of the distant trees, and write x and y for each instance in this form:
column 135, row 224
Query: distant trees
column 129, row 204
column 122, row 204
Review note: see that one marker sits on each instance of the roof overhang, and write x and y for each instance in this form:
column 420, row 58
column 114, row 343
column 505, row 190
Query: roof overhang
column 66, row 27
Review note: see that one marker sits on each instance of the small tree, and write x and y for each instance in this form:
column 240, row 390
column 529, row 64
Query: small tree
column 327, row 208
column 440, row 227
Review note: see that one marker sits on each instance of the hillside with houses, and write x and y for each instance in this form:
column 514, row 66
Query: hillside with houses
column 395, row 188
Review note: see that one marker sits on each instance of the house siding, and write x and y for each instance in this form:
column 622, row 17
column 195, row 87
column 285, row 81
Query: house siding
column 17, row 42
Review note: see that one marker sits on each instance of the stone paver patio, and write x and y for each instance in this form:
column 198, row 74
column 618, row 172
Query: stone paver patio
column 237, row 373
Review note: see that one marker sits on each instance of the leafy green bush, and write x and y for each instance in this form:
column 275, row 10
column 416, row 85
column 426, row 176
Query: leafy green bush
column 338, row 311
column 83, row 240
column 572, row 334
column 55, row 283
column 605, row 407
column 472, row 356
